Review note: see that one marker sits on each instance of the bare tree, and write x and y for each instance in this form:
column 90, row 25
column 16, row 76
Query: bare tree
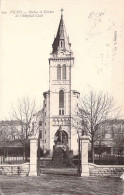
column 23, row 112
column 93, row 109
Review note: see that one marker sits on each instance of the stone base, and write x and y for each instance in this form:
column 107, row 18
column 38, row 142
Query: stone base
column 85, row 170
column 122, row 176
column 33, row 173
column 106, row 170
column 84, row 174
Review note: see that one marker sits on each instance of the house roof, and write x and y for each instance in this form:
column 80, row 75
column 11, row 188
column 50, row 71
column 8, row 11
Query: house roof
column 10, row 123
column 13, row 143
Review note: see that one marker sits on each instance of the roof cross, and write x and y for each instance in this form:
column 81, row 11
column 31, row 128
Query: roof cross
column 62, row 12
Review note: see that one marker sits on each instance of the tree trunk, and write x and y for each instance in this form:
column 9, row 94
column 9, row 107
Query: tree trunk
column 4, row 155
column 92, row 152
column 99, row 156
column 79, row 157
column 26, row 152
column 23, row 152
column 26, row 144
column 38, row 157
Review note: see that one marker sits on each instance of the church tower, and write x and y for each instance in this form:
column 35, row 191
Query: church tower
column 60, row 99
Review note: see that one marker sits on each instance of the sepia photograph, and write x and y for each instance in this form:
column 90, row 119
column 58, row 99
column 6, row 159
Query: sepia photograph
column 61, row 97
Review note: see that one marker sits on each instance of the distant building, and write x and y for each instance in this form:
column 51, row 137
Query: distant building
column 10, row 130
column 111, row 136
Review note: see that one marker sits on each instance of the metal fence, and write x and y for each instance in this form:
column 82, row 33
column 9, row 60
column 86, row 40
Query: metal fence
column 109, row 156
column 108, row 159
column 14, row 155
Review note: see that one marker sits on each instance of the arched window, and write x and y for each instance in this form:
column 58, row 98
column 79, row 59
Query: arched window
column 40, row 123
column 64, row 71
column 61, row 99
column 61, row 44
column 40, row 134
column 58, row 72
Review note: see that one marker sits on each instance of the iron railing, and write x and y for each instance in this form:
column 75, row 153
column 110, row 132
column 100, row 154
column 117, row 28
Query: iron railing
column 14, row 155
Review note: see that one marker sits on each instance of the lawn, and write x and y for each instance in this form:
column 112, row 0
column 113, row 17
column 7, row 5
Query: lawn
column 49, row 184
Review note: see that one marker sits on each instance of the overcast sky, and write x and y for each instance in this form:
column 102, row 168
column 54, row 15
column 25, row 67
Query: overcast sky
column 96, row 32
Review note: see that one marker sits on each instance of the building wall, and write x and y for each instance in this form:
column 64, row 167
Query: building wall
column 51, row 125
column 74, row 128
column 46, row 122
column 57, row 85
column 52, row 119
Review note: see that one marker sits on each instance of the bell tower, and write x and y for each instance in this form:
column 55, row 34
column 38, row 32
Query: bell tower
column 60, row 63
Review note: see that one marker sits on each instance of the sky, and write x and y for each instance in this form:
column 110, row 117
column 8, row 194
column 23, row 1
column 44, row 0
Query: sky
column 27, row 30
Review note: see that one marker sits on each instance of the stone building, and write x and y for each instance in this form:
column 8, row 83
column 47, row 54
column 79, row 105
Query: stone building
column 111, row 139
column 60, row 101
column 10, row 130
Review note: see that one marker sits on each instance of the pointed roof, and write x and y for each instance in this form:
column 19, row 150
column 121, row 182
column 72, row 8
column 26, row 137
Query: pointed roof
column 61, row 36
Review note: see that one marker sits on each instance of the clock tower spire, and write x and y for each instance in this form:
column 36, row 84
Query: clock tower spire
column 61, row 41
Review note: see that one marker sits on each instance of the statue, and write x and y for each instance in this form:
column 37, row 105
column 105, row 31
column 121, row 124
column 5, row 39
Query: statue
column 58, row 136
column 61, row 137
